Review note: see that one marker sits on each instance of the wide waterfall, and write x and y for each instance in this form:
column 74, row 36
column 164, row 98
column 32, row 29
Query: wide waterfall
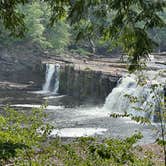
column 131, row 98
column 139, row 100
column 51, row 84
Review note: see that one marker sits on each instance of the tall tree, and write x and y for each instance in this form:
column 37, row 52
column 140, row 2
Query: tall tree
column 57, row 35
column 11, row 18
column 129, row 26
column 33, row 21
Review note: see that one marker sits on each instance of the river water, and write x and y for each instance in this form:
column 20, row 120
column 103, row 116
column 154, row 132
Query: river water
column 72, row 117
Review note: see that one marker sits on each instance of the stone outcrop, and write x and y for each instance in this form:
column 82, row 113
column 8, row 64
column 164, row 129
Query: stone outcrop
column 21, row 64
column 86, row 83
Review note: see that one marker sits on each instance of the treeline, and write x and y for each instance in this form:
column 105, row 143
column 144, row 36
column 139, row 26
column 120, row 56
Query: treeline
column 61, row 36
column 38, row 32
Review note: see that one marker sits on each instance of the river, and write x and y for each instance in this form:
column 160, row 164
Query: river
column 75, row 117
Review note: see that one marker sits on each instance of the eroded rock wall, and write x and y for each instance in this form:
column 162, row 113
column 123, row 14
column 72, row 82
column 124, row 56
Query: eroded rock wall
column 86, row 83
column 21, row 64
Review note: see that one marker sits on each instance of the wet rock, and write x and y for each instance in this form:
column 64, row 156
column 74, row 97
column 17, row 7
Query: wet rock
column 86, row 83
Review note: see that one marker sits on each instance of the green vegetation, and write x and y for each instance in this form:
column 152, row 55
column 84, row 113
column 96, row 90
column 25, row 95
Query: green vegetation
column 22, row 143
column 134, row 26
column 36, row 16
column 20, row 136
column 151, row 108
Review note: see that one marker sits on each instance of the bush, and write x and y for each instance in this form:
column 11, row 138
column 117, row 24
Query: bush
column 24, row 140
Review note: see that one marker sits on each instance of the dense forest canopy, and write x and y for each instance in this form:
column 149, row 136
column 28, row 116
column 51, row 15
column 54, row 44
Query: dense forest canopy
column 136, row 26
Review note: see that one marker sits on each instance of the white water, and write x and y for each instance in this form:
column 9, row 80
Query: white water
column 53, row 97
column 77, row 132
column 51, row 85
column 49, row 107
column 50, row 69
column 118, row 102
column 146, row 104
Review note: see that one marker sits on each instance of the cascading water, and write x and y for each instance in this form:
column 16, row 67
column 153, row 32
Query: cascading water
column 119, row 100
column 69, row 118
column 131, row 98
column 50, row 69
column 51, row 84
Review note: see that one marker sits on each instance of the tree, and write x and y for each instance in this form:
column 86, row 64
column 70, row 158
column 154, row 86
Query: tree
column 33, row 21
column 11, row 18
column 159, row 34
column 58, row 36
column 129, row 26
column 36, row 15
column 34, row 31
column 131, row 21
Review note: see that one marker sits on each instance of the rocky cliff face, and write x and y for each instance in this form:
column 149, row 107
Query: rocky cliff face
column 21, row 64
column 86, row 83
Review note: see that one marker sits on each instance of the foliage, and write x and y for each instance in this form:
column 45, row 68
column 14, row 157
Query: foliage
column 125, row 22
column 36, row 16
column 154, row 110
column 81, row 52
column 159, row 34
column 11, row 18
column 22, row 143
column 5, row 37
column 58, row 36
column 20, row 136
column 129, row 25
column 33, row 16
column 88, row 151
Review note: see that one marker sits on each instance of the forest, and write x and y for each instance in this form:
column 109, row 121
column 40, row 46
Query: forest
column 63, row 36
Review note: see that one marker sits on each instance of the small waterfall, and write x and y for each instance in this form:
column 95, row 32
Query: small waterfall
column 50, row 69
column 119, row 101
column 51, row 84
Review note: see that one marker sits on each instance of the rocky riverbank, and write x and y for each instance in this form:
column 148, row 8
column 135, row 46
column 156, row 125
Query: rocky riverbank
column 22, row 68
column 23, row 64
column 20, row 64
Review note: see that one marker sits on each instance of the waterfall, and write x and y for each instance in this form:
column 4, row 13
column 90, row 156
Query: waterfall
column 51, row 84
column 50, row 69
column 119, row 100
column 145, row 97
